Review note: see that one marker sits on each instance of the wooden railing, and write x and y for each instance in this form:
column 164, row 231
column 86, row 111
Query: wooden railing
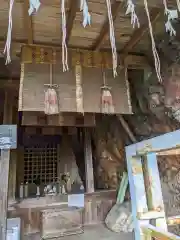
column 150, row 231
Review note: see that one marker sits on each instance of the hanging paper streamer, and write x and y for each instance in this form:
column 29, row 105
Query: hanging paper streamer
column 154, row 50
column 107, row 106
column 86, row 14
column 33, row 6
column 112, row 38
column 171, row 15
column 7, row 48
column 64, row 46
column 131, row 10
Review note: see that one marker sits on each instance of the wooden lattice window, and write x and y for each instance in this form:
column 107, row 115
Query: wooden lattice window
column 40, row 162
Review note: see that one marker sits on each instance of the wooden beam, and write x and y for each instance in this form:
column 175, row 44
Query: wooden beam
column 138, row 34
column 71, row 18
column 88, row 161
column 116, row 6
column 127, row 128
column 28, row 29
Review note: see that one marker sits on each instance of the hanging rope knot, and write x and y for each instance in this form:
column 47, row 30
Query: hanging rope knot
column 107, row 105
column 7, row 47
column 64, row 46
column 178, row 4
column 33, row 6
column 154, row 50
column 86, row 14
column 112, row 38
column 131, row 10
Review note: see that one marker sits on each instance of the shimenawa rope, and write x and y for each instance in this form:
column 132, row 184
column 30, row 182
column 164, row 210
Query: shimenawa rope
column 7, row 47
column 64, row 46
column 154, row 50
column 112, row 38
column 178, row 4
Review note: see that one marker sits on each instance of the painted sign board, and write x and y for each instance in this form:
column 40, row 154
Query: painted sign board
column 8, row 136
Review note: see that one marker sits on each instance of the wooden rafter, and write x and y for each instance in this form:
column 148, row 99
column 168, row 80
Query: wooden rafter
column 138, row 34
column 71, row 18
column 116, row 6
column 28, row 29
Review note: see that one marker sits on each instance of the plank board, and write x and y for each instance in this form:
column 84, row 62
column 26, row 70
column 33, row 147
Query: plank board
column 36, row 75
column 60, row 222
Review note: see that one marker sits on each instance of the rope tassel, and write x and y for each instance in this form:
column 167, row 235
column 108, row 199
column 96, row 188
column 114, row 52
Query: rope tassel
column 86, row 14
column 107, row 106
column 131, row 10
column 33, row 6
column 112, row 38
column 7, row 48
column 51, row 100
column 64, row 46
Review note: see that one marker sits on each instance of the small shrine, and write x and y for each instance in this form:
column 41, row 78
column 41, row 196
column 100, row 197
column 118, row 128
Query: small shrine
column 75, row 77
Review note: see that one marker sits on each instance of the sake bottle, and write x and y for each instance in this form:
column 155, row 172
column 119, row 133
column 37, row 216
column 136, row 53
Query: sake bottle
column 26, row 190
column 21, row 191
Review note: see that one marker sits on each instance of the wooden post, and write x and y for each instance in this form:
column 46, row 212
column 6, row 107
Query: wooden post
column 88, row 161
column 153, row 189
column 4, row 170
column 8, row 119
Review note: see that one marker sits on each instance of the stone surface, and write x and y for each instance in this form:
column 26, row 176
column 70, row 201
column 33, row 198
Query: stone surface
column 119, row 218
column 99, row 232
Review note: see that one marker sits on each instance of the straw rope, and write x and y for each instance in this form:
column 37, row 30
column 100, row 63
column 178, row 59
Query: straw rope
column 7, row 48
column 178, row 4
column 112, row 38
column 131, row 10
column 154, row 50
column 64, row 46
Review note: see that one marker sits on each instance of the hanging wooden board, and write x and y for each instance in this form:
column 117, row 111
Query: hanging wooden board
column 35, row 76
column 64, row 119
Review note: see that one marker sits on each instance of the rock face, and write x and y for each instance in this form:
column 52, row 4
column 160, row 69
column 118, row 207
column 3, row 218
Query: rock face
column 119, row 219
column 157, row 111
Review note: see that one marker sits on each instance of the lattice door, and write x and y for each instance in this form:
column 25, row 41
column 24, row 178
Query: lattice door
column 40, row 161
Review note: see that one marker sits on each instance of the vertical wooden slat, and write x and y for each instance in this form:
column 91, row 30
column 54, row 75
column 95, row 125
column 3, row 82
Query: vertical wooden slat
column 88, row 161
column 153, row 189
column 4, row 175
column 137, row 189
column 8, row 119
